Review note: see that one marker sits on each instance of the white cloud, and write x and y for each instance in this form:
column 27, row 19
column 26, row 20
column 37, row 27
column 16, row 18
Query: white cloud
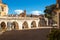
column 18, row 11
column 36, row 12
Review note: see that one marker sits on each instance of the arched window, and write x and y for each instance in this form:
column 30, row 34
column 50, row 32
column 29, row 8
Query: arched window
column 2, row 8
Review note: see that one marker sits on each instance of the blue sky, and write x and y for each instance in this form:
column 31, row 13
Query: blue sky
column 28, row 5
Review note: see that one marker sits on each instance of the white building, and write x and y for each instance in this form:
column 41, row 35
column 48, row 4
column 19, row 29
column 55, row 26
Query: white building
column 16, row 23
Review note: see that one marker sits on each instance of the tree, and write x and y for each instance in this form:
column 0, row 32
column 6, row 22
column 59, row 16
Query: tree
column 54, row 35
column 48, row 11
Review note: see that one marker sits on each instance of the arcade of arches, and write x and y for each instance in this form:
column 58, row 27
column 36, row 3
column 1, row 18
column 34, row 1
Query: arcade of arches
column 15, row 25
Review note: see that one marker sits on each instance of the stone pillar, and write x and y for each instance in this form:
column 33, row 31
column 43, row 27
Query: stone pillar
column 20, row 25
column 58, row 19
column 46, row 19
column 47, row 22
column 6, row 24
column 29, row 25
column 37, row 23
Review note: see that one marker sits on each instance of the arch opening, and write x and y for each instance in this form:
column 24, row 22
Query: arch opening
column 25, row 25
column 15, row 26
column 33, row 24
column 42, row 23
column 3, row 25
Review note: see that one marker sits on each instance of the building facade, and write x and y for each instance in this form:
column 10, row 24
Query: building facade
column 3, row 9
column 17, row 22
column 56, row 13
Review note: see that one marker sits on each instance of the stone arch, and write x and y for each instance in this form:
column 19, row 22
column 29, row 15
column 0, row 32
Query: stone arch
column 15, row 25
column 33, row 24
column 42, row 22
column 3, row 25
column 24, row 25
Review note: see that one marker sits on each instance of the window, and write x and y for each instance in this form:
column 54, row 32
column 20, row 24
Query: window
column 0, row 13
column 0, row 9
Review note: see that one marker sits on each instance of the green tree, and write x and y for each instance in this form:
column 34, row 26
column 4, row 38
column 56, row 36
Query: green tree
column 50, row 14
column 48, row 11
column 54, row 35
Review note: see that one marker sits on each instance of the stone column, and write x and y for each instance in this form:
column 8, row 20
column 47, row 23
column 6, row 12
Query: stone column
column 29, row 25
column 37, row 23
column 20, row 25
column 58, row 19
column 47, row 22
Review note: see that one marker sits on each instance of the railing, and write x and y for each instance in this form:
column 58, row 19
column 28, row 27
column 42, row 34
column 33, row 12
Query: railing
column 19, row 18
